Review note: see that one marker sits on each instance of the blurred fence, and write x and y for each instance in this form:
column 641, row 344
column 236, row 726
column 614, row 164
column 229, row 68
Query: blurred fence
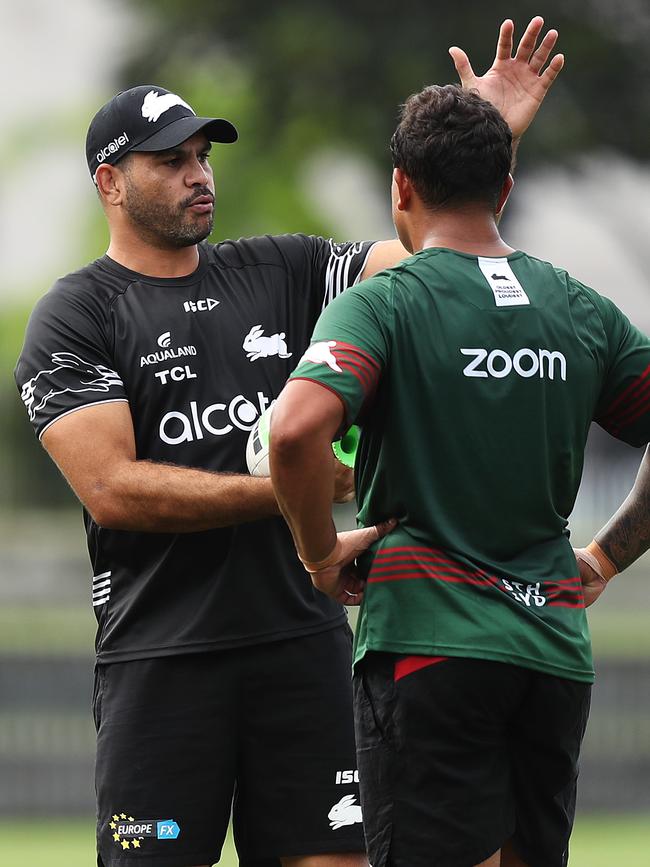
column 46, row 731
column 47, row 738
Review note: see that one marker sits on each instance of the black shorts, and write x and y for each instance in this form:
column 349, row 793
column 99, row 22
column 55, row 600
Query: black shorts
column 460, row 756
column 180, row 736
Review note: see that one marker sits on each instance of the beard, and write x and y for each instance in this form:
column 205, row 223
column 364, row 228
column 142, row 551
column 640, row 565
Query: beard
column 164, row 226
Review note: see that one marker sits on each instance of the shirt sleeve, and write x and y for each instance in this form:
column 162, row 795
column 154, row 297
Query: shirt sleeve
column 350, row 347
column 325, row 266
column 65, row 364
column 623, row 408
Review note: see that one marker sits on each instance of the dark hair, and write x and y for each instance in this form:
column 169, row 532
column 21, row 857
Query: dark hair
column 453, row 146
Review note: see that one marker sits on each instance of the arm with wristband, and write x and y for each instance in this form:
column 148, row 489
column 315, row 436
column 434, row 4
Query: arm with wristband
column 305, row 420
column 624, row 538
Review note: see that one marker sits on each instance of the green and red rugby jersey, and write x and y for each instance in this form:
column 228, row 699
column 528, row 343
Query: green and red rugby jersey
column 475, row 382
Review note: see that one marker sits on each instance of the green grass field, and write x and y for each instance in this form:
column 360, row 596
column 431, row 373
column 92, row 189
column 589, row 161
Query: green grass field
column 597, row 842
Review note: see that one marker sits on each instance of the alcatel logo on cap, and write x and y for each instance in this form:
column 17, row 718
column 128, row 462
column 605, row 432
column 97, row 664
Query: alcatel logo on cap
column 154, row 104
column 112, row 147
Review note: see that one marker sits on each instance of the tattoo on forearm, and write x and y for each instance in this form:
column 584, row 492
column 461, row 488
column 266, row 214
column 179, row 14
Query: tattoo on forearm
column 627, row 535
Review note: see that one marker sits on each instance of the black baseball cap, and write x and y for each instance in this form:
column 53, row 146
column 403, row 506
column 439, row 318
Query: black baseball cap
column 147, row 118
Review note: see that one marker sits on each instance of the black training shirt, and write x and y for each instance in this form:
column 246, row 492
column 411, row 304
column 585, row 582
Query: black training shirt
column 197, row 359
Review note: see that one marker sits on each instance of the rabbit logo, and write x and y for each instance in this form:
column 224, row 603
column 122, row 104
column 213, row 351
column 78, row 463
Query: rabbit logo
column 82, row 376
column 256, row 345
column 154, row 104
column 345, row 812
column 321, row 353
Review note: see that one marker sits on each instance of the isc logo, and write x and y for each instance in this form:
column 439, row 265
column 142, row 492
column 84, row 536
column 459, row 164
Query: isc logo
column 345, row 777
column 199, row 306
column 525, row 362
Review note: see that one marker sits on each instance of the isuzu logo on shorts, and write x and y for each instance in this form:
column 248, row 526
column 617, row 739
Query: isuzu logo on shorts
column 343, row 778
column 497, row 363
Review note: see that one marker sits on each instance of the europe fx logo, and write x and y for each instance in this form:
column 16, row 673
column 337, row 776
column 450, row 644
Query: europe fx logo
column 130, row 833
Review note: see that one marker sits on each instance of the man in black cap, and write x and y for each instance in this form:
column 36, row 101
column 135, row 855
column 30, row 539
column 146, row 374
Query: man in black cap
column 221, row 672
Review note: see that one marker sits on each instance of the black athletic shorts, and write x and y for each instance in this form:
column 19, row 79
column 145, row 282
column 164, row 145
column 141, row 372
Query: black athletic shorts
column 179, row 737
column 458, row 756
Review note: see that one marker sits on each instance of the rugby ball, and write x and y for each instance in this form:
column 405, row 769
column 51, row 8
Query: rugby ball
column 257, row 447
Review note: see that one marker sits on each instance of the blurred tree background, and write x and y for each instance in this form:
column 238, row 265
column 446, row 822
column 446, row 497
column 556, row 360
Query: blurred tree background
column 301, row 76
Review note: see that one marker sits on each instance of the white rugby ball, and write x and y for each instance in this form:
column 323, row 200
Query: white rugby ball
column 257, row 447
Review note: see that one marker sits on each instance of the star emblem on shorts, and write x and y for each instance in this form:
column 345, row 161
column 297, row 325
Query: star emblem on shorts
column 136, row 844
column 125, row 844
column 116, row 837
column 115, row 817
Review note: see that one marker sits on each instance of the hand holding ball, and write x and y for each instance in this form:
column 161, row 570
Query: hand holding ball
column 257, row 447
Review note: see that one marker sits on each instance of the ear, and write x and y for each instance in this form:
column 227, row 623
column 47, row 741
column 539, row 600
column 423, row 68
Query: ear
column 403, row 189
column 110, row 183
column 506, row 189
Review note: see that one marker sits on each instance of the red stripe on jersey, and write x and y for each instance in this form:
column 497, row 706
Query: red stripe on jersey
column 568, row 594
column 362, row 375
column 632, row 412
column 360, row 358
column 451, row 577
column 424, row 563
column 641, row 410
column 410, row 664
column 364, row 367
column 340, row 346
column 627, row 392
column 407, row 564
column 637, row 390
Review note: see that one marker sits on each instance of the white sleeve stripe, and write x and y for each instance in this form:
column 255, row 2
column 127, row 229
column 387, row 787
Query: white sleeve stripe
column 329, row 279
column 77, row 408
column 346, row 272
column 102, row 575
column 337, row 274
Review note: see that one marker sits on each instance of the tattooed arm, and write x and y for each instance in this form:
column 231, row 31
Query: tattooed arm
column 624, row 538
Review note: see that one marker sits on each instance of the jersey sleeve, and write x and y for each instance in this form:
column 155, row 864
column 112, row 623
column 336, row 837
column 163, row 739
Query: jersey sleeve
column 65, row 364
column 325, row 266
column 623, row 408
column 351, row 346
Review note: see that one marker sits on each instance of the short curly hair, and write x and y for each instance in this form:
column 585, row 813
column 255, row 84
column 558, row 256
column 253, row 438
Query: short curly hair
column 454, row 146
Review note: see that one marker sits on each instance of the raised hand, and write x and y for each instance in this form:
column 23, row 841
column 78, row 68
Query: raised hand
column 515, row 85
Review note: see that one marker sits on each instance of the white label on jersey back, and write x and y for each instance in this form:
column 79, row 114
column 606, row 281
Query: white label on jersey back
column 507, row 290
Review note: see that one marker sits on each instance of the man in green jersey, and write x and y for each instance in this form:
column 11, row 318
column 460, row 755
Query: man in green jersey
column 475, row 372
